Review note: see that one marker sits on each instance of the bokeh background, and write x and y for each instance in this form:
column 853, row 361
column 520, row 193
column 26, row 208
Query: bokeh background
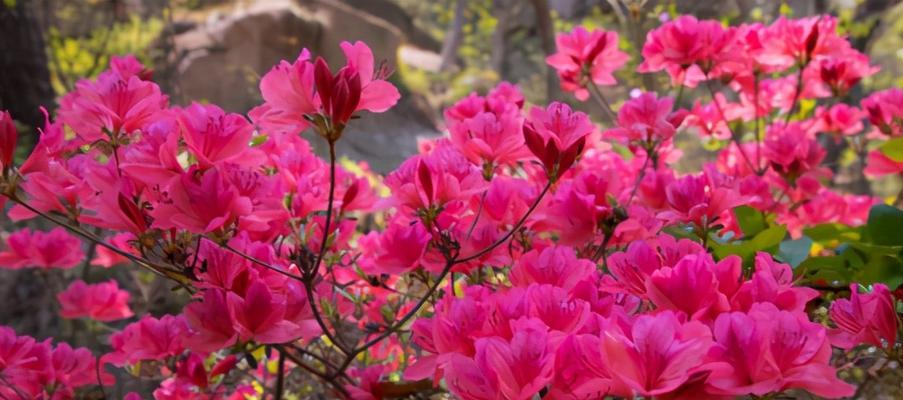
column 441, row 50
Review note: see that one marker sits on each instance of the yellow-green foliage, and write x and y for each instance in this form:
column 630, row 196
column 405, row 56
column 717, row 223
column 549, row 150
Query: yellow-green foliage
column 72, row 58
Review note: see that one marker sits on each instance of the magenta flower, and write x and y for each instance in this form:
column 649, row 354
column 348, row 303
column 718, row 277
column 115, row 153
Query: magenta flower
column 690, row 287
column 656, row 355
column 770, row 351
column 8, row 137
column 865, row 318
column 113, row 105
column 556, row 135
column 200, row 203
column 586, row 57
column 294, row 93
column 556, row 265
column 100, row 301
column 54, row 249
column 691, row 51
column 148, row 339
column 514, row 368
column 214, row 136
column 646, row 119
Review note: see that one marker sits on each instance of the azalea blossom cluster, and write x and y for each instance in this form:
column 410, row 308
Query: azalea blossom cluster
column 529, row 252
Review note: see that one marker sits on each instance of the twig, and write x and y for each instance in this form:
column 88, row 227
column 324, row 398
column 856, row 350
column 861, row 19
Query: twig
column 734, row 137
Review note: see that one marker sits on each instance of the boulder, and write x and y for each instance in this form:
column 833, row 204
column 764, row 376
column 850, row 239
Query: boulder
column 221, row 61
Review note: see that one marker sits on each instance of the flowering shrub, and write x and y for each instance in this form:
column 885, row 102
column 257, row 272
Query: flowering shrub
column 531, row 252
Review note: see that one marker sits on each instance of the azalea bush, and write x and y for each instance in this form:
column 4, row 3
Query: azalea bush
column 530, row 252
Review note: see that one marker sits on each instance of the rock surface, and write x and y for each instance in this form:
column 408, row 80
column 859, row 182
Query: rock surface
column 222, row 60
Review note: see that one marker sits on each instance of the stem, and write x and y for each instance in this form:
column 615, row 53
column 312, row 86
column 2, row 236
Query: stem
column 640, row 176
column 756, row 116
column 600, row 252
column 734, row 137
column 312, row 273
column 511, row 232
column 600, row 98
column 330, row 380
column 280, row 378
column 159, row 270
column 329, row 206
column 450, row 262
column 258, row 262
column 797, row 93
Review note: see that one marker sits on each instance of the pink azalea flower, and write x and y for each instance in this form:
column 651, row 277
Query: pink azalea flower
column 772, row 282
column 211, row 328
column 690, row 50
column 100, row 301
column 841, row 72
column 770, row 351
column 885, row 111
column 148, row 339
column 691, row 287
column 454, row 326
column 444, row 176
column 400, row 248
column 53, row 249
column 288, row 92
column 377, row 94
column 107, row 258
column 200, row 203
column 791, row 151
column 585, row 56
column 879, row 164
column 74, row 368
column 516, row 368
column 656, row 355
column 8, row 137
column 838, row 120
column 111, row 106
column 556, row 265
column 214, row 136
column 580, row 207
column 865, row 318
column 787, row 42
column 490, row 139
column 292, row 91
column 259, row 315
column 556, row 135
column 645, row 119
column 700, row 199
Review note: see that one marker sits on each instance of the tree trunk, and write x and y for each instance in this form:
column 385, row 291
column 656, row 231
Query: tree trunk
column 454, row 37
column 547, row 36
column 25, row 79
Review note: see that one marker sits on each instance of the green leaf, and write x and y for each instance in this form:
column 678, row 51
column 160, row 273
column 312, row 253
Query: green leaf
column 751, row 221
column 768, row 241
column 794, row 252
column 884, row 269
column 828, row 268
column 885, row 226
column 893, row 149
column 832, row 231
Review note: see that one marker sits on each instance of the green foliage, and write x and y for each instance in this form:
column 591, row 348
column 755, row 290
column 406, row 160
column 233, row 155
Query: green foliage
column 867, row 254
column 768, row 240
column 72, row 58
column 893, row 149
column 751, row 221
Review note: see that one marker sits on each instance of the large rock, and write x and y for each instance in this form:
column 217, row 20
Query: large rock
column 222, row 60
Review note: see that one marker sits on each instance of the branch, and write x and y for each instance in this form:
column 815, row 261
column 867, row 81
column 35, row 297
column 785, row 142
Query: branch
column 173, row 275
column 450, row 262
column 734, row 137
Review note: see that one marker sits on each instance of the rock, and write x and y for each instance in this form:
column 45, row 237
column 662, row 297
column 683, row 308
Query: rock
column 222, row 61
